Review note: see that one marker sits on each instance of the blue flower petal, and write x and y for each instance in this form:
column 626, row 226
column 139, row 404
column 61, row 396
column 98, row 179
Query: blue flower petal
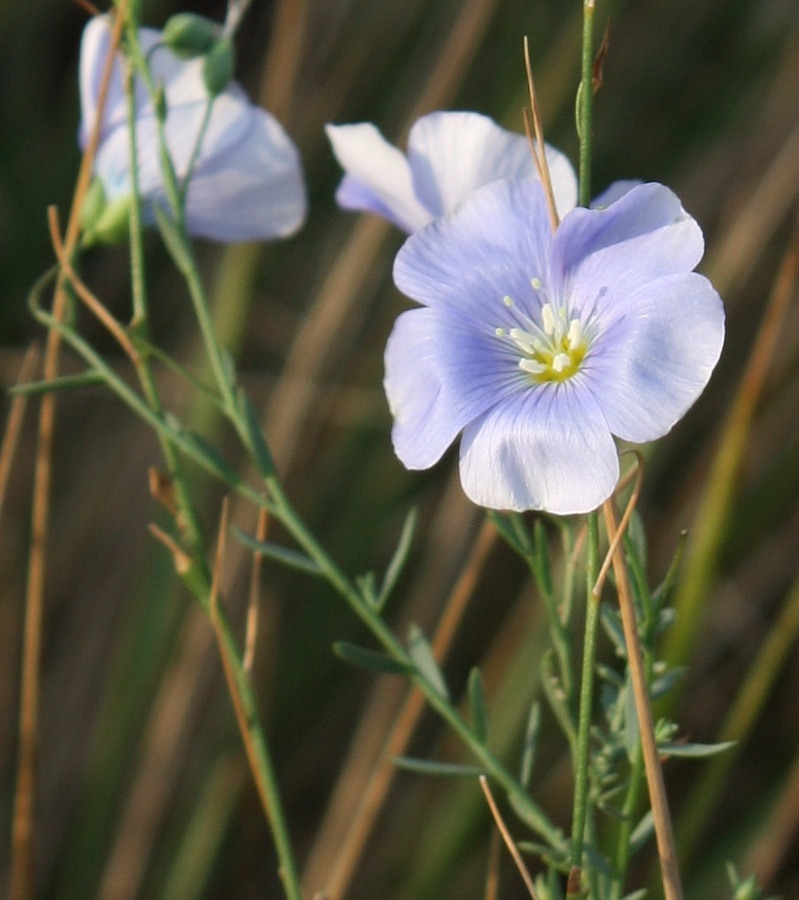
column 657, row 355
column 247, row 181
column 452, row 154
column 644, row 235
column 440, row 375
column 252, row 190
column 492, row 247
column 378, row 177
column 545, row 449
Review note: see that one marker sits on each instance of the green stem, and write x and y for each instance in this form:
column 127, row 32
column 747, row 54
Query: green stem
column 586, row 703
column 260, row 758
column 585, row 102
column 139, row 326
column 525, row 806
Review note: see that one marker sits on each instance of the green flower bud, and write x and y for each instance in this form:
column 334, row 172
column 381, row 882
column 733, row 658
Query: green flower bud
column 94, row 203
column 218, row 67
column 159, row 103
column 111, row 226
column 188, row 35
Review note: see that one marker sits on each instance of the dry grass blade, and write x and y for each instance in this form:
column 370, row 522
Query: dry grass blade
column 535, row 138
column 664, row 834
column 91, row 301
column 628, row 512
column 506, row 836
column 251, row 634
column 22, row 885
column 15, row 419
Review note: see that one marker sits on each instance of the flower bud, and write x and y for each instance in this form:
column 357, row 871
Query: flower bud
column 218, row 67
column 188, row 35
column 112, row 224
column 94, row 202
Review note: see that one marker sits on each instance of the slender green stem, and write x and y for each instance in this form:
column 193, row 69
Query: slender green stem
column 258, row 753
column 586, row 102
column 195, row 153
column 140, row 323
column 586, row 703
column 138, row 285
column 532, row 813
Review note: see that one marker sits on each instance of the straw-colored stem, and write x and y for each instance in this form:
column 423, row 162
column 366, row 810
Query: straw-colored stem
column 664, row 835
column 22, row 884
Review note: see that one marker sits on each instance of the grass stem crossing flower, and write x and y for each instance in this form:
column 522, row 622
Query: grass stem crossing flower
column 450, row 155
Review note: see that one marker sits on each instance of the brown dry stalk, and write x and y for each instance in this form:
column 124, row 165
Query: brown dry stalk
column 22, row 885
column 664, row 834
column 535, row 138
column 506, row 836
column 15, row 418
column 116, row 329
column 253, row 607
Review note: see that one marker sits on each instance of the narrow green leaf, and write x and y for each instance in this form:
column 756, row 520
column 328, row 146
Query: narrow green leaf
column 662, row 685
column 558, row 861
column 638, row 895
column 695, row 751
column 429, row 767
column 507, row 524
column 556, row 697
column 366, row 585
column 255, row 436
column 174, row 240
column 543, row 565
column 422, row 654
column 211, row 456
column 399, row 558
column 597, row 861
column 370, row 659
column 530, row 745
column 477, row 702
column 291, row 558
column 613, row 629
column 65, row 383
column 663, row 593
column 642, row 832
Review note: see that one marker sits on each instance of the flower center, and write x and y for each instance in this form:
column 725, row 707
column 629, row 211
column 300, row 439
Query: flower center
column 552, row 350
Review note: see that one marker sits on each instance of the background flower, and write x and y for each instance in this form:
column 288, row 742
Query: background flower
column 540, row 347
column 247, row 182
column 450, row 155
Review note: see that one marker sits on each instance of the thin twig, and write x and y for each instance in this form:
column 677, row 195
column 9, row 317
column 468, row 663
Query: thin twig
column 506, row 836
column 625, row 519
column 535, row 138
column 22, row 885
column 253, row 607
column 664, row 834
column 92, row 302
column 252, row 735
column 15, row 418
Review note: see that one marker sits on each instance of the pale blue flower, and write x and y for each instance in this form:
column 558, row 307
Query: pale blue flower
column 247, row 183
column 540, row 347
column 450, row 155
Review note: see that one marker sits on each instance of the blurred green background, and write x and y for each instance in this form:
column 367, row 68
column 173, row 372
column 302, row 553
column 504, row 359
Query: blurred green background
column 144, row 790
